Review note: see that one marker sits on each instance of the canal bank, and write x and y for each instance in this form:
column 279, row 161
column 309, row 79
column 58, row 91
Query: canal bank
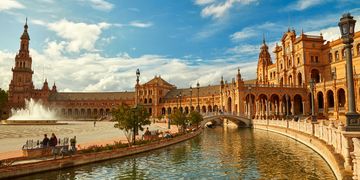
column 326, row 151
column 217, row 153
column 81, row 159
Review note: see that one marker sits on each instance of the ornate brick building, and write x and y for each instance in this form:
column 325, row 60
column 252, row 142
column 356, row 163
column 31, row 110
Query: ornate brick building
column 280, row 89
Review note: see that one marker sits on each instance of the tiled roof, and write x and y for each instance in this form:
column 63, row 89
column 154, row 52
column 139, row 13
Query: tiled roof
column 157, row 80
column 203, row 91
column 92, row 96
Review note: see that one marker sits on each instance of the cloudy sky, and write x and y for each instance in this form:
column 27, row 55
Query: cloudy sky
column 97, row 45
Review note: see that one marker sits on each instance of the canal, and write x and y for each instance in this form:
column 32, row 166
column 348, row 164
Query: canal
column 219, row 153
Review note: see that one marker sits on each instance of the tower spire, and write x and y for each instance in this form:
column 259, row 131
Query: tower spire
column 264, row 38
column 25, row 34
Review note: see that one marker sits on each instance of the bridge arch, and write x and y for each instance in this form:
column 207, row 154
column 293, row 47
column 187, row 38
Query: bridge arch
column 240, row 121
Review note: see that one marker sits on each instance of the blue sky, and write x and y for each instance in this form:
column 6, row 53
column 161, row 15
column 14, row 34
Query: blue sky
column 96, row 45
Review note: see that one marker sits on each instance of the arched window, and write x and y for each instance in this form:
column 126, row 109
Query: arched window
column 343, row 54
column 150, row 100
column 330, row 57
column 315, row 74
column 145, row 100
column 336, row 55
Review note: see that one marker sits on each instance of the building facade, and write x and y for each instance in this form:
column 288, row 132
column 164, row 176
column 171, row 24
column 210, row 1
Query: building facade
column 281, row 88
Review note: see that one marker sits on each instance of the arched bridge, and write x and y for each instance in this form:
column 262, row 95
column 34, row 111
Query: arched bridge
column 241, row 121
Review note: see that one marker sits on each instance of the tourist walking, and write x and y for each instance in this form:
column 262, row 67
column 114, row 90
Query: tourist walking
column 45, row 142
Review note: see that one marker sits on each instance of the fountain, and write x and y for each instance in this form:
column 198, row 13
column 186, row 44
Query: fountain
column 34, row 113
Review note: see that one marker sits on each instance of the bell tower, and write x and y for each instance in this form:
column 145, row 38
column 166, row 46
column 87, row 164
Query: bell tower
column 21, row 86
column 263, row 63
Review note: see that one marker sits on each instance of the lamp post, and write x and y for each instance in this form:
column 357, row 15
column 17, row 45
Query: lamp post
column 177, row 101
column 190, row 98
column 312, row 88
column 180, row 103
column 213, row 102
column 198, row 90
column 137, row 83
column 347, row 25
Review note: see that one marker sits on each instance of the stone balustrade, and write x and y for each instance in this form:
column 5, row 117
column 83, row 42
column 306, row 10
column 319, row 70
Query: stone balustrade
column 355, row 155
column 341, row 142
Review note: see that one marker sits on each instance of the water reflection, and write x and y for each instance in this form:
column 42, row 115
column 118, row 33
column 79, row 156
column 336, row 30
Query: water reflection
column 218, row 153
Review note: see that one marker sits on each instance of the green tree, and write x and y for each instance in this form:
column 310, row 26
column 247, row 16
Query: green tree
column 3, row 101
column 195, row 118
column 130, row 120
column 179, row 119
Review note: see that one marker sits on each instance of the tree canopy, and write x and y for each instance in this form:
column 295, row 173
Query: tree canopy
column 195, row 118
column 179, row 119
column 130, row 120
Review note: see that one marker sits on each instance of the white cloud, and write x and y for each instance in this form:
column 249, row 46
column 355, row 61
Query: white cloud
column 93, row 72
column 243, row 34
column 38, row 22
column 10, row 4
column 80, row 36
column 333, row 32
column 245, row 49
column 203, row 2
column 54, row 49
column 101, row 5
column 140, row 24
column 218, row 10
column 304, row 4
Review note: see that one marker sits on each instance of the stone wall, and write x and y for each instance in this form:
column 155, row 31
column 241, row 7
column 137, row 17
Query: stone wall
column 340, row 149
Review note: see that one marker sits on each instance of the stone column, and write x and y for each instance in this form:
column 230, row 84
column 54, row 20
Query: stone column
column 246, row 108
column 292, row 108
column 257, row 108
column 267, row 108
column 303, row 107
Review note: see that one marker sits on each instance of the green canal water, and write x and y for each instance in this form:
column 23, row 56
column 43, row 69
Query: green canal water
column 219, row 153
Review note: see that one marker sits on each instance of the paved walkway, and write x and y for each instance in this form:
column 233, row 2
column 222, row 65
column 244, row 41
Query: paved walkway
column 12, row 138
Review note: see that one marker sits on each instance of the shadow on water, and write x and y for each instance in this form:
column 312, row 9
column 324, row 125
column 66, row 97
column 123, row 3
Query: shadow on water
column 218, row 153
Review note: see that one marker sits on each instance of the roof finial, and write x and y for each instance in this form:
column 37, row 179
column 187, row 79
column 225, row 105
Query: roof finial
column 263, row 38
column 26, row 26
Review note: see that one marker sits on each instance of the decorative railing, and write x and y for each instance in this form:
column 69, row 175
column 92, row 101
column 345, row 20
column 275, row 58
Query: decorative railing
column 274, row 85
column 342, row 141
column 35, row 144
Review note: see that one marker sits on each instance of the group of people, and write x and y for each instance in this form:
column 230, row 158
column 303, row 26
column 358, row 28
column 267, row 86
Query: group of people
column 52, row 142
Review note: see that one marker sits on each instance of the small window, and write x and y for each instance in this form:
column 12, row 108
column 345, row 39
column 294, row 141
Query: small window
column 298, row 60
column 316, row 59
column 330, row 57
column 336, row 55
column 312, row 59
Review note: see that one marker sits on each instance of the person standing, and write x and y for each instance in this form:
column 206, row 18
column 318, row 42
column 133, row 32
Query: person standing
column 53, row 140
column 45, row 141
column 73, row 145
